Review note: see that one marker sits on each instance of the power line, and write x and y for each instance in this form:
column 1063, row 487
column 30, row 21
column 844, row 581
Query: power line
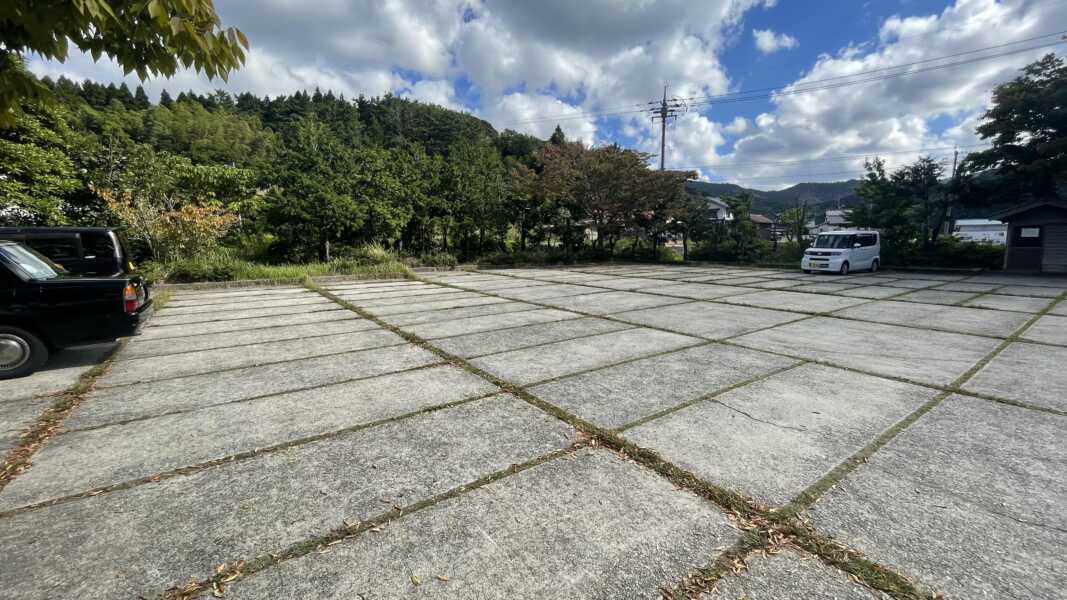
column 793, row 92
column 899, row 66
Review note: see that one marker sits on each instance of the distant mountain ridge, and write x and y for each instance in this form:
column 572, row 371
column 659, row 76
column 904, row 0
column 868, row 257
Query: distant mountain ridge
column 819, row 196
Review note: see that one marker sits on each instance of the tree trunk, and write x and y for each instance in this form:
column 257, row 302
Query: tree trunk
column 685, row 245
column 324, row 250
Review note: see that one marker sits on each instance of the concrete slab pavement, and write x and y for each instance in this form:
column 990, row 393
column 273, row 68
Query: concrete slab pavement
column 139, row 541
column 969, row 501
column 592, row 527
column 707, row 320
column 772, row 439
column 931, row 357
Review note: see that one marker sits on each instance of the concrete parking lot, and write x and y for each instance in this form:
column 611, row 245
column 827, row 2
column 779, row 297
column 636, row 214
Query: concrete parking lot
column 608, row 431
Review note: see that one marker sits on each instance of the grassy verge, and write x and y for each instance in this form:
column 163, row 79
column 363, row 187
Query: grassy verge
column 214, row 268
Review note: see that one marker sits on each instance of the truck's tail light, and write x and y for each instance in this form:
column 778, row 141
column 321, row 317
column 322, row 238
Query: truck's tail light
column 131, row 299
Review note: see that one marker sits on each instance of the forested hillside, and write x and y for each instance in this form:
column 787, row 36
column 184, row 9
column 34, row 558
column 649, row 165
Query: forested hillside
column 819, row 196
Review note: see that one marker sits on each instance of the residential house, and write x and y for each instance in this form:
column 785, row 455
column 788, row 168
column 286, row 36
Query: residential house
column 835, row 219
column 765, row 226
column 720, row 210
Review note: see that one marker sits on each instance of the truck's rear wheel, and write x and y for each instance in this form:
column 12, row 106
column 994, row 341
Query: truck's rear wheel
column 21, row 352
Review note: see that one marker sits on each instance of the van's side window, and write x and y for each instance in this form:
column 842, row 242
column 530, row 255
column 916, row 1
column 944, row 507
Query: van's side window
column 97, row 244
column 56, row 248
column 867, row 239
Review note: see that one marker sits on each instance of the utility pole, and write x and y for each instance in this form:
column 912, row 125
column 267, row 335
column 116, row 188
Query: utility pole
column 665, row 110
column 950, row 210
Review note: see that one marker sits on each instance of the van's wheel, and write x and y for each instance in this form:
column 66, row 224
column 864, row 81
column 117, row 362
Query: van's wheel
column 844, row 268
column 806, row 270
column 874, row 266
column 21, row 352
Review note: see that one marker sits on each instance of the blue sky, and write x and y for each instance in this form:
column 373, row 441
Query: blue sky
column 528, row 66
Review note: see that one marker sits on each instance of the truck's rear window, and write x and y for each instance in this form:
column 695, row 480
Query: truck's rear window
column 31, row 264
column 98, row 244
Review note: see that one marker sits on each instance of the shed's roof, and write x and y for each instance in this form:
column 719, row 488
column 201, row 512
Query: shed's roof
column 1027, row 207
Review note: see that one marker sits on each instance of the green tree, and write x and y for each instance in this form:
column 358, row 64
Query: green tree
column 795, row 221
column 474, row 188
column 741, row 231
column 611, row 184
column 521, row 201
column 921, row 183
column 1027, row 125
column 140, row 99
column 557, row 190
column 557, row 139
column 419, row 174
column 312, row 204
column 385, row 185
column 37, row 176
column 157, row 37
column 887, row 205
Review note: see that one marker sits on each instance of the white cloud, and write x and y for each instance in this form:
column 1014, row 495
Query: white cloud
column 737, row 126
column 600, row 54
column 516, row 58
column 767, row 41
column 263, row 74
column 525, row 112
column 434, row 91
column 765, row 120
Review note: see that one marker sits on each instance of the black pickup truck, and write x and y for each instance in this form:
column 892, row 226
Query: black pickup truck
column 42, row 309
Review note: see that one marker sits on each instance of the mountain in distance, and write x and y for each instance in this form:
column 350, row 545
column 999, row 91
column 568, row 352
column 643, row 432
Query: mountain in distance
column 819, row 196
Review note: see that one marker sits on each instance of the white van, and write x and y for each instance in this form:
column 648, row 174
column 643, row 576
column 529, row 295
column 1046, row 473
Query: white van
column 844, row 251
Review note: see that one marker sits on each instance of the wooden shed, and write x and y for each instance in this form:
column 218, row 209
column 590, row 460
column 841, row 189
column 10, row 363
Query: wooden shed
column 1037, row 237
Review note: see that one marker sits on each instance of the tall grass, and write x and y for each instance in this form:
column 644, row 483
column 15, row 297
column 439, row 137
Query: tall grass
column 365, row 262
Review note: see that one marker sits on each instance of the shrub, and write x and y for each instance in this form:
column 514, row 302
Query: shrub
column 366, row 254
column 728, row 250
column 554, row 255
column 437, row 259
column 953, row 253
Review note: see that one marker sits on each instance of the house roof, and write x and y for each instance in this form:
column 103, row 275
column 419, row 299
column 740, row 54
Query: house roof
column 761, row 219
column 717, row 202
column 1017, row 210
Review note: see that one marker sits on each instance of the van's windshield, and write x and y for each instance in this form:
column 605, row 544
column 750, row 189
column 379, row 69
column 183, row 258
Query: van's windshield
column 826, row 240
column 29, row 263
